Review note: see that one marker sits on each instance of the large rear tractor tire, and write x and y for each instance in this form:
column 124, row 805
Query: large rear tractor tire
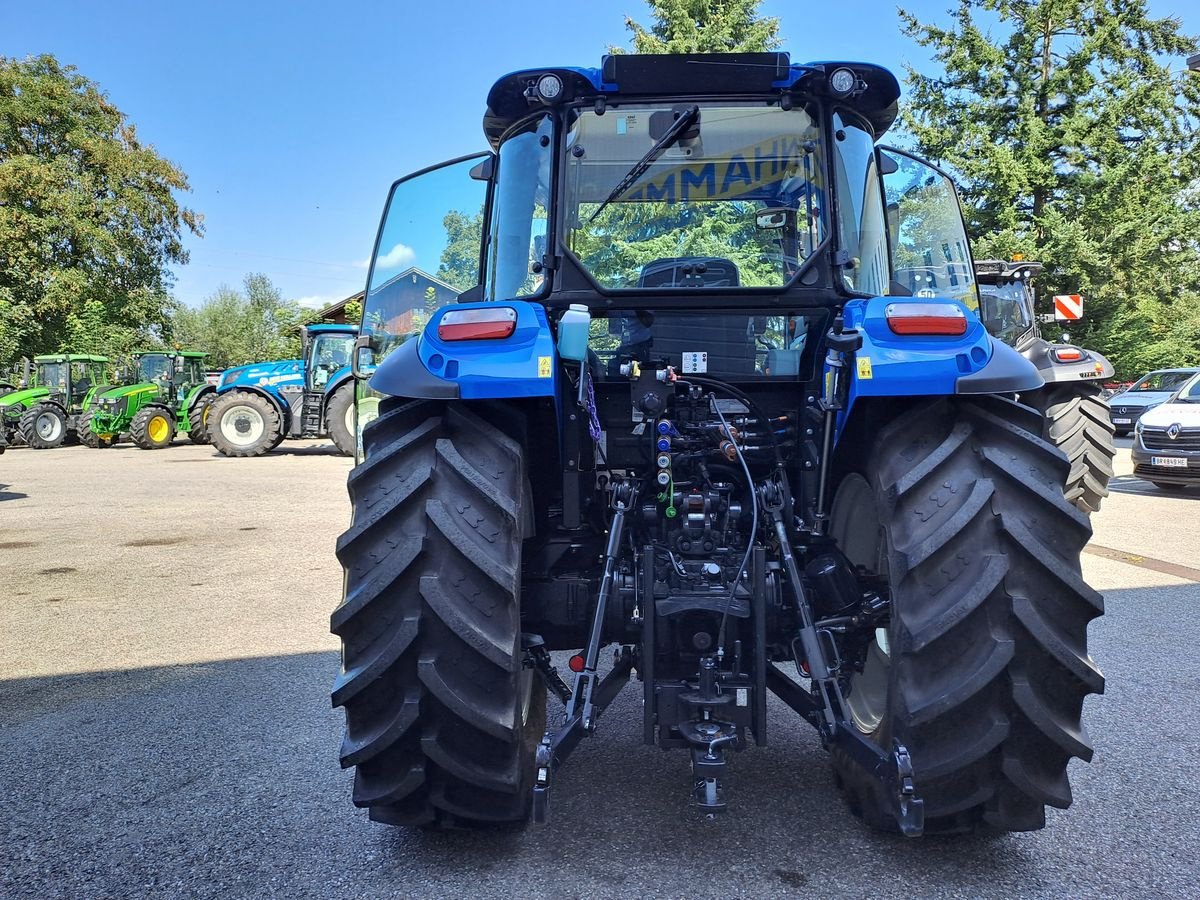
column 43, row 427
column 442, row 719
column 244, row 424
column 339, row 418
column 983, row 668
column 1077, row 421
column 198, row 418
column 153, row 427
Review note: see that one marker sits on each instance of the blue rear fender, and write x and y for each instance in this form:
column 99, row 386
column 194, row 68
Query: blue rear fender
column 525, row 364
column 893, row 365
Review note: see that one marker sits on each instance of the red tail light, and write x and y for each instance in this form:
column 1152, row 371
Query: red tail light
column 925, row 318
column 481, row 324
column 1067, row 354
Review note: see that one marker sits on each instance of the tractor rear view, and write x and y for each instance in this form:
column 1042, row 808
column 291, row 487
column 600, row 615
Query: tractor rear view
column 684, row 422
column 260, row 404
column 169, row 395
column 1076, row 418
column 46, row 413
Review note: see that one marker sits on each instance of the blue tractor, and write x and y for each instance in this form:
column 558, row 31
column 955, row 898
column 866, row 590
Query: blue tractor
column 260, row 404
column 684, row 422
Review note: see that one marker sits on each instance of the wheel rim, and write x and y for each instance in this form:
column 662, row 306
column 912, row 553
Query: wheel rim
column 157, row 428
column 855, row 526
column 48, row 426
column 242, row 425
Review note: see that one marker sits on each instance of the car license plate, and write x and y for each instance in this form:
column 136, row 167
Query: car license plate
column 1122, row 421
column 1170, row 462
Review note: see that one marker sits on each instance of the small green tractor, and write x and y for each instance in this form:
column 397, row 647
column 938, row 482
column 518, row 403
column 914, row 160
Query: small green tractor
column 46, row 411
column 171, row 395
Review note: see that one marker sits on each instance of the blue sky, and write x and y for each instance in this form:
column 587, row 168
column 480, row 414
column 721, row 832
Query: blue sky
column 292, row 118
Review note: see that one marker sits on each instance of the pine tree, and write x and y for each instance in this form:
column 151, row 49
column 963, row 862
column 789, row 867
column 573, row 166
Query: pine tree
column 1075, row 143
column 704, row 26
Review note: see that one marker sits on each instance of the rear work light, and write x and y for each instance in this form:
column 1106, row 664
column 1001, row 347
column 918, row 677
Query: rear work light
column 478, row 324
column 925, row 318
column 1067, row 354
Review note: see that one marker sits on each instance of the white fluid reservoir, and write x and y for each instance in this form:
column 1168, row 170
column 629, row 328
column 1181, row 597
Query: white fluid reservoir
column 573, row 332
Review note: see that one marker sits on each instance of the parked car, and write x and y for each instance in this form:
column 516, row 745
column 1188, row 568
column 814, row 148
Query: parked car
column 1166, row 445
column 1146, row 393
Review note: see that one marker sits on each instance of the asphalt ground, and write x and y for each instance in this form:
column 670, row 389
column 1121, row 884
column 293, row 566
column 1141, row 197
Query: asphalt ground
column 165, row 728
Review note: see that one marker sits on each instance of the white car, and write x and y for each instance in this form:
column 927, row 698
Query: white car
column 1166, row 444
column 1147, row 392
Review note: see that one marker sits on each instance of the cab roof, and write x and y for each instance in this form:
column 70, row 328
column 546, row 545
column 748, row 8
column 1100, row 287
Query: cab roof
column 69, row 357
column 189, row 354
column 345, row 329
column 633, row 76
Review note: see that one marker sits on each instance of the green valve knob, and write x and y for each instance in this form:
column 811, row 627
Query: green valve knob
column 671, row 513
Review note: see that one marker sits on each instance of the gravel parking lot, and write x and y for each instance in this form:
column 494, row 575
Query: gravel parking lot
column 166, row 729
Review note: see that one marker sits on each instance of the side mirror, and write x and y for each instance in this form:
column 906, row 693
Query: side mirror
column 178, row 363
column 363, row 362
column 471, row 295
column 772, row 219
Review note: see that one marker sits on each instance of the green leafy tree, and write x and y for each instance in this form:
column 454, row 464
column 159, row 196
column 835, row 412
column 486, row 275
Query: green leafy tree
column 235, row 327
column 704, row 26
column 1075, row 143
column 459, row 264
column 89, row 217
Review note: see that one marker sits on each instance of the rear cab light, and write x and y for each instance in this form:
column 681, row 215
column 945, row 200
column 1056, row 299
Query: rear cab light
column 926, row 318
column 1067, row 354
column 479, row 324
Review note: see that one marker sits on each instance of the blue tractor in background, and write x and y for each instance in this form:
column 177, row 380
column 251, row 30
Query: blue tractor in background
column 260, row 404
column 685, row 421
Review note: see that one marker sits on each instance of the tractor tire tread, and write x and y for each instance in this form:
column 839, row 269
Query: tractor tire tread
column 27, row 427
column 1077, row 421
column 989, row 663
column 139, row 427
column 197, row 421
column 430, row 620
column 272, row 424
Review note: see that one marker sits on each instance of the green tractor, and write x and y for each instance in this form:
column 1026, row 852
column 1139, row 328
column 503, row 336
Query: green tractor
column 171, row 395
column 46, row 412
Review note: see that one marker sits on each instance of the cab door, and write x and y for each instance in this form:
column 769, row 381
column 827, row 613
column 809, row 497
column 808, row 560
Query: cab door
column 931, row 255
column 428, row 251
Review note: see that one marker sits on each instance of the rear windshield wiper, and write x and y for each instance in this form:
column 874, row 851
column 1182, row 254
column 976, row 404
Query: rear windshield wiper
column 678, row 127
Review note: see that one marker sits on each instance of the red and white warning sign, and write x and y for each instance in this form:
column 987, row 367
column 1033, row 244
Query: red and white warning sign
column 1068, row 307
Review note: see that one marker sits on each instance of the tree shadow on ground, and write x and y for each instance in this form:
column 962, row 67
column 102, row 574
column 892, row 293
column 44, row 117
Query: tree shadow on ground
column 10, row 495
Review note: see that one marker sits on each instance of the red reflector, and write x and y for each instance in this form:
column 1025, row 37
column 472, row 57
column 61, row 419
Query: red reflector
column 478, row 324
column 925, row 318
column 576, row 663
column 1067, row 354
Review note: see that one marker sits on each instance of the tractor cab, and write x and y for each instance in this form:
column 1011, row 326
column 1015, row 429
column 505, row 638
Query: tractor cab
column 172, row 372
column 70, row 377
column 327, row 352
column 1006, row 299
